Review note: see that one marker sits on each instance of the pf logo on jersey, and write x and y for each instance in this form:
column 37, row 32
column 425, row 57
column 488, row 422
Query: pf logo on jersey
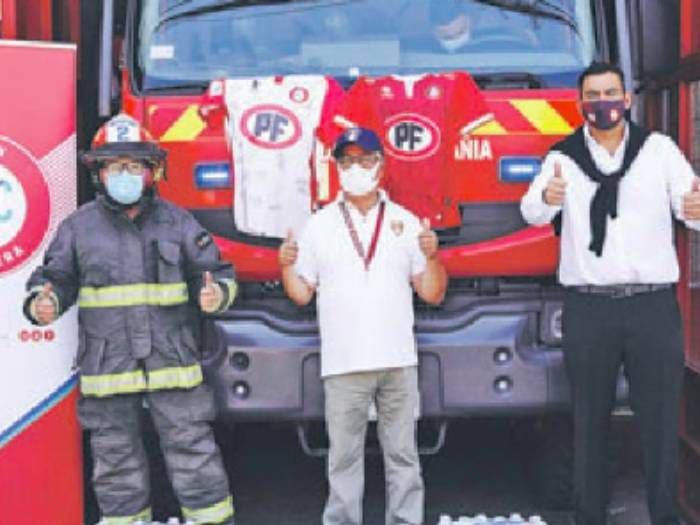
column 24, row 205
column 411, row 136
column 270, row 126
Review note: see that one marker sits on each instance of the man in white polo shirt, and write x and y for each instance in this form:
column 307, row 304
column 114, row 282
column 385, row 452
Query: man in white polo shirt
column 362, row 253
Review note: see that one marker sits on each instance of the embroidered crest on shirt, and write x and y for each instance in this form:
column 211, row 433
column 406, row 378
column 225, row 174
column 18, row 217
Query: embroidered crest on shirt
column 299, row 94
column 397, row 227
column 433, row 92
column 386, row 92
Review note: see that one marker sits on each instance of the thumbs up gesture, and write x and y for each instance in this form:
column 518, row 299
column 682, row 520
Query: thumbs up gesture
column 289, row 250
column 210, row 296
column 44, row 305
column 555, row 192
column 691, row 201
column 427, row 240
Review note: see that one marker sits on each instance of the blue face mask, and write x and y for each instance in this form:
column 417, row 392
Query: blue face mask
column 124, row 187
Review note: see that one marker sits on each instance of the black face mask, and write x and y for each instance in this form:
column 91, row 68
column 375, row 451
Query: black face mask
column 604, row 114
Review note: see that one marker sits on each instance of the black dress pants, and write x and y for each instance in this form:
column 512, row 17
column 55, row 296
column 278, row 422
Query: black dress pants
column 643, row 334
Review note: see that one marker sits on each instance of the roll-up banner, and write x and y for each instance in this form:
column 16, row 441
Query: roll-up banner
column 40, row 440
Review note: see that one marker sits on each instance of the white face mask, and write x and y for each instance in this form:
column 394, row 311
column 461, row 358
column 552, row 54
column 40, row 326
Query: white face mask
column 357, row 180
column 453, row 44
column 124, row 187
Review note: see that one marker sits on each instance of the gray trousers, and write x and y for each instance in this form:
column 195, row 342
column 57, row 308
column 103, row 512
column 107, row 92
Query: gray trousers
column 348, row 398
column 120, row 475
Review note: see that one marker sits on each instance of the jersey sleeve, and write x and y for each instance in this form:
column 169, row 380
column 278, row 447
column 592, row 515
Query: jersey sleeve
column 328, row 130
column 356, row 108
column 213, row 108
column 323, row 177
column 471, row 109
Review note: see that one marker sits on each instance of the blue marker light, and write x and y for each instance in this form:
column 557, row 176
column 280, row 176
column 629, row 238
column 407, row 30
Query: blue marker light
column 518, row 169
column 212, row 176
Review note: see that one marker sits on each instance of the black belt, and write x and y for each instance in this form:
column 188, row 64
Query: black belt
column 617, row 291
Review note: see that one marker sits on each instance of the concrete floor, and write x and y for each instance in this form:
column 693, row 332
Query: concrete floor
column 480, row 470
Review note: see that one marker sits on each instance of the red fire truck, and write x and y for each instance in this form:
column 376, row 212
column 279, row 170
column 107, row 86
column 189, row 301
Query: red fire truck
column 493, row 347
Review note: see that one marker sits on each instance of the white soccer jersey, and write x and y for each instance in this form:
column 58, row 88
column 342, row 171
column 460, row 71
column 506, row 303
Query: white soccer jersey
column 272, row 126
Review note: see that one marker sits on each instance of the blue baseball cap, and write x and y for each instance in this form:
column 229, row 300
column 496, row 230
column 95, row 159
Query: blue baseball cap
column 367, row 139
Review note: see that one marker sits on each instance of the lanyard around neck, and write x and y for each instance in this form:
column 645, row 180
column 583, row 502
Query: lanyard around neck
column 366, row 258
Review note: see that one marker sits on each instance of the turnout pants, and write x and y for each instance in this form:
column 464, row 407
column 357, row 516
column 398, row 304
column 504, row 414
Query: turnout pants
column 182, row 419
column 348, row 399
column 643, row 334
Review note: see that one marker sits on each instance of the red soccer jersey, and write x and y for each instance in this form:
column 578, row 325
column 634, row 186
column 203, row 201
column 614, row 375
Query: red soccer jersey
column 420, row 119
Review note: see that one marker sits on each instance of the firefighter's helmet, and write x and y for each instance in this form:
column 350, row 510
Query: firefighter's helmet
column 123, row 136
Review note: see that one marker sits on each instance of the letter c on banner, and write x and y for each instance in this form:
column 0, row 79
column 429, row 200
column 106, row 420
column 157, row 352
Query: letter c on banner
column 5, row 213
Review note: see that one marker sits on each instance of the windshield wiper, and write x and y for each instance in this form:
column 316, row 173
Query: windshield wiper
column 541, row 8
column 226, row 4
column 185, row 86
column 174, row 6
column 553, row 7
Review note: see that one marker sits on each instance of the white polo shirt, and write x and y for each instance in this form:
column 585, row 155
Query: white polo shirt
column 365, row 316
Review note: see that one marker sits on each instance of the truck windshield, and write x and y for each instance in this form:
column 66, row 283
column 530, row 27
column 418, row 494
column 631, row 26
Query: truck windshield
column 186, row 43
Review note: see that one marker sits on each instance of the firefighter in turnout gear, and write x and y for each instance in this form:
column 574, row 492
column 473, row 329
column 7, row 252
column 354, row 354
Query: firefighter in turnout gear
column 140, row 269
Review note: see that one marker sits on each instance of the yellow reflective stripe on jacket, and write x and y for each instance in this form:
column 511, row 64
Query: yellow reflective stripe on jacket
column 175, row 377
column 144, row 515
column 217, row 513
column 232, row 289
column 153, row 294
column 137, row 381
column 110, row 384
